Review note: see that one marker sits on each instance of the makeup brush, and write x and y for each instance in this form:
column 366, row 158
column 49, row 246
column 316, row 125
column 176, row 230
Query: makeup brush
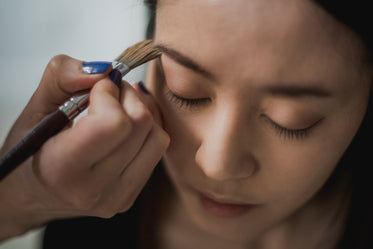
column 132, row 57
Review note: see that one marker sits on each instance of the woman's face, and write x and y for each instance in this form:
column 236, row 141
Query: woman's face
column 261, row 98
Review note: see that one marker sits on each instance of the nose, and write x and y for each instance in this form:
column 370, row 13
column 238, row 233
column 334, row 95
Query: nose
column 225, row 148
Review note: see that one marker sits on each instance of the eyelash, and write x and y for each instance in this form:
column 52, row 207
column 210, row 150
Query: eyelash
column 185, row 102
column 281, row 131
column 290, row 133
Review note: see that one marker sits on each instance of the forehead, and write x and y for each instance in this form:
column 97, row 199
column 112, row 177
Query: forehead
column 256, row 35
column 238, row 20
column 236, row 13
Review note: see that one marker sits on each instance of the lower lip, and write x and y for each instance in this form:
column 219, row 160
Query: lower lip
column 224, row 210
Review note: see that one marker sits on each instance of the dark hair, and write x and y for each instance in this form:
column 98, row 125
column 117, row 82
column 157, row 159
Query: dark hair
column 152, row 5
column 357, row 159
column 357, row 16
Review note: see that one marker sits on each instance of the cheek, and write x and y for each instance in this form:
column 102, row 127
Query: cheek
column 290, row 178
column 293, row 173
column 296, row 178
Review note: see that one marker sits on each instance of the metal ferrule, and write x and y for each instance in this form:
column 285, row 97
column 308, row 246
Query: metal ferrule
column 122, row 68
column 75, row 106
column 78, row 104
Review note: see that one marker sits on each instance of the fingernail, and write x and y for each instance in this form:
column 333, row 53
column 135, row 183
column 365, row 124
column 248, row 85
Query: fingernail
column 142, row 87
column 95, row 67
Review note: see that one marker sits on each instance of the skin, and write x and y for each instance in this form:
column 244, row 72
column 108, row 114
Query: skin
column 229, row 146
column 96, row 167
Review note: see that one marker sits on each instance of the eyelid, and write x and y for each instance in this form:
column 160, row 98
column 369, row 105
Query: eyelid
column 187, row 102
column 288, row 132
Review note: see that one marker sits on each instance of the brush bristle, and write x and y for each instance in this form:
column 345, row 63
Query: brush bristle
column 138, row 54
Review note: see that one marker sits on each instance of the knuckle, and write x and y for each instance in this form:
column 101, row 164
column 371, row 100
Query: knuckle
column 118, row 123
column 118, row 205
column 141, row 114
column 163, row 138
column 53, row 176
column 85, row 201
column 127, row 204
column 125, row 207
column 56, row 62
column 106, row 214
column 107, row 210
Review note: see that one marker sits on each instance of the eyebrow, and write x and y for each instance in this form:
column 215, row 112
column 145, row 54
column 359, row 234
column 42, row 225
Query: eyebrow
column 290, row 90
column 185, row 61
column 294, row 91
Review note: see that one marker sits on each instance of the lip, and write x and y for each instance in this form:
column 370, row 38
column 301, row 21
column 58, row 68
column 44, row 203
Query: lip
column 223, row 207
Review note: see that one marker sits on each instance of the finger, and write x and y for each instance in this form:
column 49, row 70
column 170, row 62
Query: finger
column 141, row 143
column 106, row 173
column 90, row 140
column 87, row 188
column 149, row 101
column 143, row 165
column 141, row 125
column 128, row 186
column 63, row 77
column 150, row 154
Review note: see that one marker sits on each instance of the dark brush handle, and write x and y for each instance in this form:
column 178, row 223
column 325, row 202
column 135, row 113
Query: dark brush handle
column 31, row 143
column 51, row 125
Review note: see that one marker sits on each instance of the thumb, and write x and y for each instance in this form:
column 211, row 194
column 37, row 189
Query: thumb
column 63, row 77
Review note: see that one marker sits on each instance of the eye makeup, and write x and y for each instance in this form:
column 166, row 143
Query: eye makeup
column 290, row 134
column 189, row 103
column 185, row 95
column 280, row 130
column 182, row 88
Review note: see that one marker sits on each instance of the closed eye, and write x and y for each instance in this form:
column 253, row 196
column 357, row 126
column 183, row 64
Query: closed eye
column 188, row 103
column 288, row 133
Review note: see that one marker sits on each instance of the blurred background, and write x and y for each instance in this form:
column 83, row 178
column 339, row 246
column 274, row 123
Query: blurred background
column 33, row 31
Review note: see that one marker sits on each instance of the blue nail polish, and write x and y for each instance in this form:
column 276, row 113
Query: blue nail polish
column 142, row 87
column 94, row 67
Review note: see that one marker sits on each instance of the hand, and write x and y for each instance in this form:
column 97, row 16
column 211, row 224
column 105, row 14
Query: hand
column 96, row 167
